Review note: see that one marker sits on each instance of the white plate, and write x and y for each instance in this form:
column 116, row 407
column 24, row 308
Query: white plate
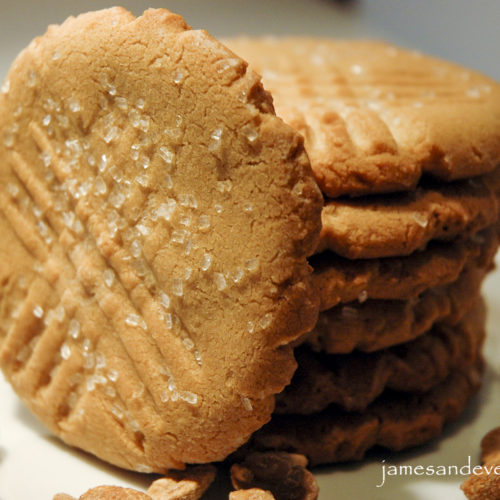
column 33, row 464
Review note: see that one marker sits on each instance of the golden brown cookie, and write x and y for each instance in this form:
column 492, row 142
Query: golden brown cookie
column 392, row 421
column 376, row 117
column 400, row 224
column 337, row 279
column 377, row 324
column 189, row 484
column 353, row 381
column 155, row 218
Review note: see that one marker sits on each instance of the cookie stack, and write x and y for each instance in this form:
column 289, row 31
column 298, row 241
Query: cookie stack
column 405, row 149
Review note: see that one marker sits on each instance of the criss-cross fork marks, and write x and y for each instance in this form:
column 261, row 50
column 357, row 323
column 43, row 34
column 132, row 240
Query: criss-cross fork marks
column 39, row 340
column 146, row 310
column 71, row 248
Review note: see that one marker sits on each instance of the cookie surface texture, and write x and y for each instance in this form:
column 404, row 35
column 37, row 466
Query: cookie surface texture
column 376, row 117
column 397, row 225
column 353, row 381
column 339, row 280
column 155, row 218
column 376, row 324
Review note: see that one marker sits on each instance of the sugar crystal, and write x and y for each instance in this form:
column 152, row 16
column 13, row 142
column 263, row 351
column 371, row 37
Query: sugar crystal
column 103, row 163
column 266, row 320
column 135, row 249
column 100, row 361
column 164, row 300
column 247, row 404
column 206, row 261
column 188, row 344
column 65, row 351
column 12, row 189
column 189, row 397
column 38, row 311
column 215, row 139
column 203, row 222
column 59, row 313
column 237, row 275
column 178, row 236
column 111, row 135
column 177, row 287
column 168, row 321
column 73, row 105
column 178, row 77
column 133, row 320
column 166, row 155
column 252, row 265
column 420, row 219
column 100, row 185
column 121, row 102
column 166, row 210
column 74, row 328
column 220, row 281
column 250, row 133
column 144, row 161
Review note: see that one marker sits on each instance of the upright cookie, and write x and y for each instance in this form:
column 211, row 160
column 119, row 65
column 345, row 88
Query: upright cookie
column 376, row 117
column 155, row 218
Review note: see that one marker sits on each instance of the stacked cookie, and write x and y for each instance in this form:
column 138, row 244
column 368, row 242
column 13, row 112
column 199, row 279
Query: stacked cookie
column 405, row 150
